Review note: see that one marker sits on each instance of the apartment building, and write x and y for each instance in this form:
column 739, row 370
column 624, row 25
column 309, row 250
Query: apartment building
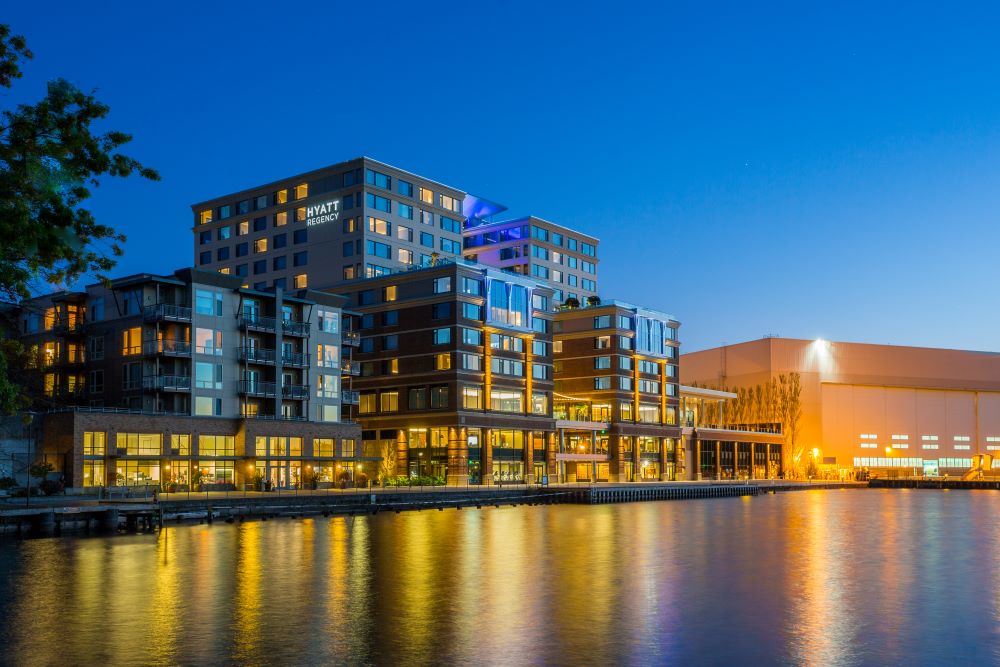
column 455, row 364
column 616, row 393
column 563, row 258
column 355, row 219
column 190, row 344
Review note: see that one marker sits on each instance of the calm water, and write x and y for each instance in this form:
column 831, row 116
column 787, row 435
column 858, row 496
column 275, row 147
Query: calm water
column 821, row 577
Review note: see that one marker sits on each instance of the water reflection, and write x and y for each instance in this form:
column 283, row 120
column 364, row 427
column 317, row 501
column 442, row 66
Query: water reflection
column 824, row 578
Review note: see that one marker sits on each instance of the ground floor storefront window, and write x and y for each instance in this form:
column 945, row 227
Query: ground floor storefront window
column 216, row 472
column 650, row 471
column 508, row 471
column 278, row 473
column 135, row 472
column 177, row 473
column 94, row 473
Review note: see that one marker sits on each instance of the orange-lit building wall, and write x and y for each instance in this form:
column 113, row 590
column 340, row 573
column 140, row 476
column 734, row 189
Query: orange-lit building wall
column 850, row 390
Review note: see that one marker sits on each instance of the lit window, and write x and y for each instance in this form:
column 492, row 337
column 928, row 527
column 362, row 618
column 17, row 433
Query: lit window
column 281, row 197
column 281, row 219
column 405, row 256
column 379, row 226
column 260, row 245
column 389, row 293
column 243, row 228
column 389, row 401
column 301, row 281
column 205, row 217
column 225, row 270
column 300, row 214
column 426, row 196
column 442, row 362
column 132, row 341
column 302, row 191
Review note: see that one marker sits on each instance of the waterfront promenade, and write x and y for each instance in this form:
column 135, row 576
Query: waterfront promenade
column 48, row 516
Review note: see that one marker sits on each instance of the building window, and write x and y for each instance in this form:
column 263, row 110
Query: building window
column 379, row 226
column 300, row 236
column 602, row 363
column 442, row 336
column 439, row 397
column 442, row 362
column 389, row 401
column 389, row 293
column 366, row 403
column 416, row 399
column 132, row 341
column 442, row 285
column 472, row 398
column 506, row 400
column 301, row 281
column 426, row 196
column 602, row 382
column 260, row 245
column 301, row 190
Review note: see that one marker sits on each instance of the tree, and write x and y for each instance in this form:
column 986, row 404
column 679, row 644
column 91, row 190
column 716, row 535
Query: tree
column 50, row 158
column 387, row 466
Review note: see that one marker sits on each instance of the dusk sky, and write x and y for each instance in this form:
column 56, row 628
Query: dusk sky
column 795, row 170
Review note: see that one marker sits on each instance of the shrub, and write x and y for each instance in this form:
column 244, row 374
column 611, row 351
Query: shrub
column 50, row 487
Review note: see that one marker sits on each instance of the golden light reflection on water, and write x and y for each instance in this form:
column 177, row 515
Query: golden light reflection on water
column 816, row 578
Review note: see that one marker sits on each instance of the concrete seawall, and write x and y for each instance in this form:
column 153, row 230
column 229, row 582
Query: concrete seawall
column 236, row 506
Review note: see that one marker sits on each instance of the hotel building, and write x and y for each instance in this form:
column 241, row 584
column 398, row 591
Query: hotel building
column 191, row 373
column 363, row 218
column 456, row 371
column 564, row 258
column 355, row 219
column 892, row 410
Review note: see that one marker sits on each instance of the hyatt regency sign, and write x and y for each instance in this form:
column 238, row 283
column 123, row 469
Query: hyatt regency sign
column 317, row 214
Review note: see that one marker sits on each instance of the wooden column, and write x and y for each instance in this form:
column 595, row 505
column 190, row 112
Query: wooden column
column 529, row 458
column 614, row 457
column 752, row 461
column 697, row 458
column 458, row 457
column 718, row 459
column 486, row 457
column 551, row 468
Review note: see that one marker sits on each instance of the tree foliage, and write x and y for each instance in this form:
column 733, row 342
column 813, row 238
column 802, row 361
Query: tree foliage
column 777, row 402
column 50, row 159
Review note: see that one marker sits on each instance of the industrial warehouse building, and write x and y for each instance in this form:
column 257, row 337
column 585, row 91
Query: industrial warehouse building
column 890, row 410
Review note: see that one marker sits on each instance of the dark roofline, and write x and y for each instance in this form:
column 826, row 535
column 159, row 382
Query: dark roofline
column 314, row 172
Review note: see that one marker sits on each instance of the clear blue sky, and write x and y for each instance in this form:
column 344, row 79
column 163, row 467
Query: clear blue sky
column 792, row 169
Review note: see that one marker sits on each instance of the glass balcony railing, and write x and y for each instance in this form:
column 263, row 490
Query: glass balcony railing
column 166, row 311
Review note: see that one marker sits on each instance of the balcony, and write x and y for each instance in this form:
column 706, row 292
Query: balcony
column 352, row 338
column 295, row 359
column 292, row 328
column 170, row 348
column 71, row 358
column 350, row 368
column 256, row 355
column 65, row 327
column 258, row 388
column 295, row 391
column 258, row 323
column 167, row 382
column 166, row 311
column 348, row 397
